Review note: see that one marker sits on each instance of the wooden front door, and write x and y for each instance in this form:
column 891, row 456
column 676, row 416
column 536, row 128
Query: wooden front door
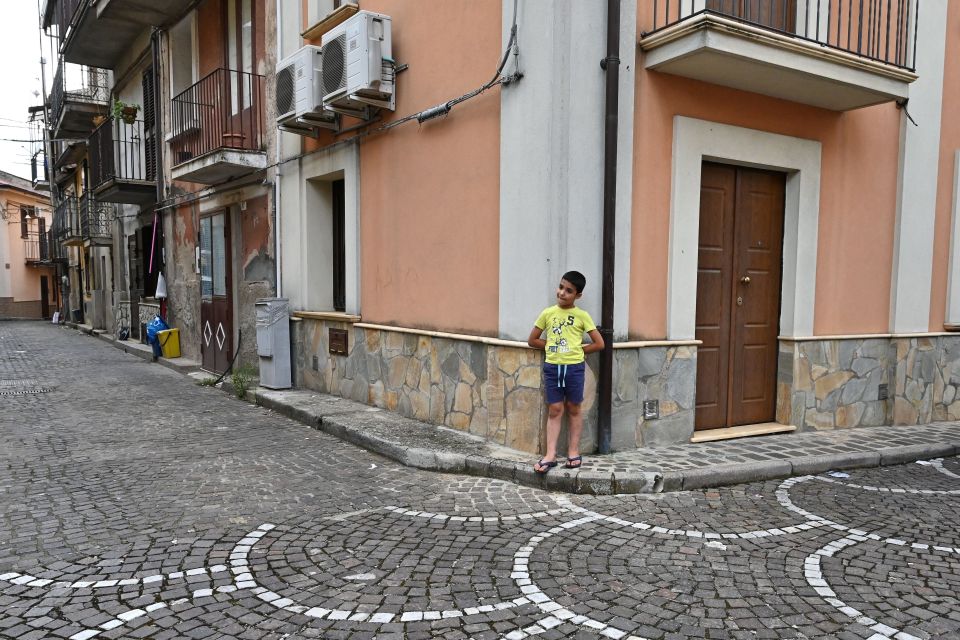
column 216, row 303
column 44, row 296
column 738, row 295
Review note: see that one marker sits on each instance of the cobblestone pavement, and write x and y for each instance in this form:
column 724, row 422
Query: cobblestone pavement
column 135, row 504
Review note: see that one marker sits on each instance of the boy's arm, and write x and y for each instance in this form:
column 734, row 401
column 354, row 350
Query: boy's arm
column 596, row 345
column 535, row 340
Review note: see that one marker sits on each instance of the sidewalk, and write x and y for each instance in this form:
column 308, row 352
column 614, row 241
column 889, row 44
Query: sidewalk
column 649, row 470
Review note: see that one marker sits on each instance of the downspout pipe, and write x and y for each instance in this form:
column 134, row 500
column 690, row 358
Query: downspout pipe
column 611, row 65
column 278, row 266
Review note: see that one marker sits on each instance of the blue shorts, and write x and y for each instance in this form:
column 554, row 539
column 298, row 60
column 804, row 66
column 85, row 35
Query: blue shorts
column 564, row 382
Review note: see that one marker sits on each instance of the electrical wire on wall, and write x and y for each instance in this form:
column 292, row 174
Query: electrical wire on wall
column 444, row 108
column 441, row 109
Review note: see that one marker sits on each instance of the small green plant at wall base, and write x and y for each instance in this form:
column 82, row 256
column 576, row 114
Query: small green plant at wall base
column 241, row 378
column 207, row 382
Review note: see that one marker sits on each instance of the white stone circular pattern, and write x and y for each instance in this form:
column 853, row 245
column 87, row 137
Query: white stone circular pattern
column 248, row 555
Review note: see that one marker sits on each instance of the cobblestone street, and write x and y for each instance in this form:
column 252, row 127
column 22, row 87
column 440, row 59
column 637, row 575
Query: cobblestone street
column 137, row 504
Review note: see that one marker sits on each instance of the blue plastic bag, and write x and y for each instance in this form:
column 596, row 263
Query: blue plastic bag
column 154, row 327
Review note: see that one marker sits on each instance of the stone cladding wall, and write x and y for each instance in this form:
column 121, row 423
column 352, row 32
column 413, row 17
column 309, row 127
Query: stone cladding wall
column 835, row 383
column 664, row 373
column 490, row 389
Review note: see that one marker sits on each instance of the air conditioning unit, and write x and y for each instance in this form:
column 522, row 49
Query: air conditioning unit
column 358, row 66
column 299, row 93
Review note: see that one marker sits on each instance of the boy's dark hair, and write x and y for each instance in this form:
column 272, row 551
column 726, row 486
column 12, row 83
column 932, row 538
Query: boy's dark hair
column 577, row 279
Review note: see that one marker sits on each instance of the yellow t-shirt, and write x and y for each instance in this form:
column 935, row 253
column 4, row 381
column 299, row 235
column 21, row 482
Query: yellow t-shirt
column 564, row 333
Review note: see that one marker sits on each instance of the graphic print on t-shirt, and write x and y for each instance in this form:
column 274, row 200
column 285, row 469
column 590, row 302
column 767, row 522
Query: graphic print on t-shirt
column 564, row 329
column 560, row 344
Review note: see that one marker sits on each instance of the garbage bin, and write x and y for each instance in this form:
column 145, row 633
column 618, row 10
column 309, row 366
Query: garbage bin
column 169, row 343
column 273, row 342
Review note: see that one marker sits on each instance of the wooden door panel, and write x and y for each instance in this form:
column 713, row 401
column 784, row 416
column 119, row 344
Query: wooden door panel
column 216, row 304
column 737, row 321
column 758, row 231
column 715, row 265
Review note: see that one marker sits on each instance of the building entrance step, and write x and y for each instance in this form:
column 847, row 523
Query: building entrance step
column 742, row 431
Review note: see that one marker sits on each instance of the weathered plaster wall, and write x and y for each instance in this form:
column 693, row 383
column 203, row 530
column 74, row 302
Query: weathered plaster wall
column 183, row 282
column 253, row 257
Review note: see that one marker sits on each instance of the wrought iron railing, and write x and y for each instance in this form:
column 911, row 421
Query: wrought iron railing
column 880, row 30
column 66, row 218
column 224, row 110
column 78, row 83
column 96, row 218
column 65, row 14
column 35, row 248
column 119, row 151
column 57, row 251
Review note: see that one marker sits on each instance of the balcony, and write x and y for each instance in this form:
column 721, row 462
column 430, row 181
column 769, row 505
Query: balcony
column 96, row 220
column 77, row 95
column 833, row 54
column 39, row 171
column 123, row 163
column 66, row 221
column 98, row 34
column 35, row 249
column 217, row 128
column 57, row 252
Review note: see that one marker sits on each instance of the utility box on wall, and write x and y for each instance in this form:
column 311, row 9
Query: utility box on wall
column 273, row 342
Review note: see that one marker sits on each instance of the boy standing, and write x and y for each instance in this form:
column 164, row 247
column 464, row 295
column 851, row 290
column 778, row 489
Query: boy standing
column 563, row 369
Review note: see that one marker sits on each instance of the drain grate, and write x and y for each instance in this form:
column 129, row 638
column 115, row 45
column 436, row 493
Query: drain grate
column 23, row 392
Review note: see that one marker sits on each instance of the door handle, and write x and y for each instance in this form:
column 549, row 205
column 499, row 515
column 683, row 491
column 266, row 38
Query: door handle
column 745, row 280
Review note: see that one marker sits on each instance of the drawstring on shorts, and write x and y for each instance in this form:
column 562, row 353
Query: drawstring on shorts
column 561, row 376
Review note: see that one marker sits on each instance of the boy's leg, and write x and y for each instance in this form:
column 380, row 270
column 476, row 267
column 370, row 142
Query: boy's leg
column 574, row 428
column 575, row 382
column 554, row 418
column 554, row 396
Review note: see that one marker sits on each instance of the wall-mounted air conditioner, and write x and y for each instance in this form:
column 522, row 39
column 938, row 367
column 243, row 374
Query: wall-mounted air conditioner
column 299, row 93
column 358, row 66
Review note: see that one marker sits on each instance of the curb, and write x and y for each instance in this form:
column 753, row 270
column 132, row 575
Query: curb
column 565, row 480
column 560, row 479
column 596, row 483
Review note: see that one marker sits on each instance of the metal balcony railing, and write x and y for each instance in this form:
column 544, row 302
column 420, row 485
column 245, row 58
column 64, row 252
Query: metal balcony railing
column 66, row 219
column 78, row 83
column 65, row 14
column 880, row 30
column 35, row 248
column 96, row 218
column 119, row 151
column 57, row 251
column 224, row 110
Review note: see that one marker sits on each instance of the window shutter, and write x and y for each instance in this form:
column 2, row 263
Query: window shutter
column 149, row 125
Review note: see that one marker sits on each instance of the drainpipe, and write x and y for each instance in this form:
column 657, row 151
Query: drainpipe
column 278, row 268
column 611, row 65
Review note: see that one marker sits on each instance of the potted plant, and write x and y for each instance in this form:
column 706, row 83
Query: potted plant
column 126, row 112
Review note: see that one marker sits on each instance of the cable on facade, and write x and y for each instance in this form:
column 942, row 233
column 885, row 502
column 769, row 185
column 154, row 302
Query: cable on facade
column 420, row 116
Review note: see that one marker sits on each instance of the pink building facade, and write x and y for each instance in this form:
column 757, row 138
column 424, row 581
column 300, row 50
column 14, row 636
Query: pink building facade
column 785, row 217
